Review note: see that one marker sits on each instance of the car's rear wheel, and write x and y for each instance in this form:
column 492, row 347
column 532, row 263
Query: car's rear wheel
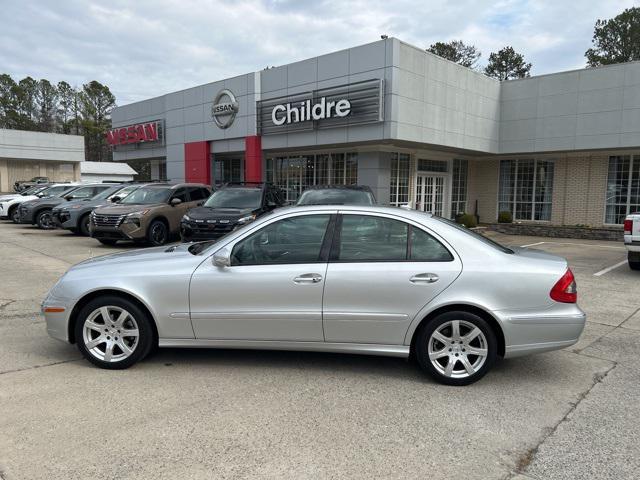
column 158, row 233
column 44, row 220
column 456, row 348
column 83, row 225
column 107, row 241
column 634, row 260
column 113, row 332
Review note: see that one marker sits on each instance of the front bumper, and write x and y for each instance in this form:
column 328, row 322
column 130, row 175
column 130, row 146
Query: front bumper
column 204, row 230
column 63, row 219
column 26, row 215
column 124, row 231
column 554, row 328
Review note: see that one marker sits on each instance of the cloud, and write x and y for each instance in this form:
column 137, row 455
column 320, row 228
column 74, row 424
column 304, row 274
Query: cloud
column 145, row 48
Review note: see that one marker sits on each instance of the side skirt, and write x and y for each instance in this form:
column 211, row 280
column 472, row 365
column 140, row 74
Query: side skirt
column 358, row 348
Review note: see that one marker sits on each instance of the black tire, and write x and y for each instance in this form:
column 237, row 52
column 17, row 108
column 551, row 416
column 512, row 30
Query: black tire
column 454, row 353
column 44, row 220
column 83, row 225
column 141, row 320
column 634, row 260
column 107, row 241
column 13, row 214
column 158, row 233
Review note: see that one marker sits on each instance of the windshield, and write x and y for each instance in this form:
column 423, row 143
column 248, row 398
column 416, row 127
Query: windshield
column 107, row 193
column 32, row 190
column 55, row 191
column 124, row 192
column 338, row 196
column 148, row 195
column 477, row 236
column 235, row 198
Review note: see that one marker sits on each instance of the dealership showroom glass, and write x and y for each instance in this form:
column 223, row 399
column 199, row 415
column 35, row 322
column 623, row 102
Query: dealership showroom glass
column 560, row 149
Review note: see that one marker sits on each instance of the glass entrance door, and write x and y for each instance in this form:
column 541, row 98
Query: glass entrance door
column 430, row 193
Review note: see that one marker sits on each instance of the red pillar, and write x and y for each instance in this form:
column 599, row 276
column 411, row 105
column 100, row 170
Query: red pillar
column 197, row 162
column 253, row 158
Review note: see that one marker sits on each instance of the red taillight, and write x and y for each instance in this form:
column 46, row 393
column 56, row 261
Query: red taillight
column 565, row 290
column 628, row 224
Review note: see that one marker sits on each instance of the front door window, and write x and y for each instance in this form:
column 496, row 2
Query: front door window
column 430, row 194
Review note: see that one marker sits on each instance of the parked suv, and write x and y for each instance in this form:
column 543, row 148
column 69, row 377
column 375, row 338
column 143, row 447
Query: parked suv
column 21, row 185
column 9, row 206
column 152, row 213
column 74, row 215
column 229, row 207
column 39, row 212
column 337, row 195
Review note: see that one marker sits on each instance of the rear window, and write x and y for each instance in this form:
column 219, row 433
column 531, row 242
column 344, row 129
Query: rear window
column 477, row 236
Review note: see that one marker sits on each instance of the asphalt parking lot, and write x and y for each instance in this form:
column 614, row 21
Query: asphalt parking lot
column 246, row 414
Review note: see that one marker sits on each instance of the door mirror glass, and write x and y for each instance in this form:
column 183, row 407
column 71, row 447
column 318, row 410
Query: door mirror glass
column 222, row 258
column 175, row 201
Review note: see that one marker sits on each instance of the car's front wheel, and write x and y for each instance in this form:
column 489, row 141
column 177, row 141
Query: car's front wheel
column 44, row 220
column 83, row 225
column 456, row 348
column 14, row 214
column 158, row 233
column 113, row 332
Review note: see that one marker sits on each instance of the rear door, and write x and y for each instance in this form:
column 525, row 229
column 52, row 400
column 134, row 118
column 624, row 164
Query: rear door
column 382, row 271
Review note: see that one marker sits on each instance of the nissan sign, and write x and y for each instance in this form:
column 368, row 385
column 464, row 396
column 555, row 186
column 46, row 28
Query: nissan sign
column 139, row 133
column 224, row 108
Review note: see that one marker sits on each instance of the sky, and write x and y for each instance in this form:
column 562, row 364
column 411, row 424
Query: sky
column 146, row 48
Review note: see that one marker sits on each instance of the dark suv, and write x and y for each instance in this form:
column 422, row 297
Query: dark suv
column 337, row 195
column 229, row 207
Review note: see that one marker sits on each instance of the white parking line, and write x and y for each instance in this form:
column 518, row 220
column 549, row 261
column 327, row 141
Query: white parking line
column 608, row 269
column 532, row 244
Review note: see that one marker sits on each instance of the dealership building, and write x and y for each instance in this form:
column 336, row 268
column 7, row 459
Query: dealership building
column 558, row 149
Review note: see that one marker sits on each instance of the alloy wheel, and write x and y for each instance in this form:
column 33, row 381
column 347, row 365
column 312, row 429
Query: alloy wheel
column 110, row 334
column 457, row 349
column 45, row 221
column 158, row 234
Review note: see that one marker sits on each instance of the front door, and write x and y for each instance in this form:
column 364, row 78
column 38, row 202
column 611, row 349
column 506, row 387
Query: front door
column 273, row 288
column 382, row 271
column 430, row 194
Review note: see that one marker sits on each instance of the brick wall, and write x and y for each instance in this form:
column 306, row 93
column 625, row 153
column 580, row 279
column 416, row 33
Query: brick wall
column 579, row 188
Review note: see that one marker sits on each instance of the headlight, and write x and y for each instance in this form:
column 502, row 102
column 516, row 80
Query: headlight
column 74, row 207
column 247, row 219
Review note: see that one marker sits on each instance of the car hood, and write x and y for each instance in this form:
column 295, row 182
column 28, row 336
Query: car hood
column 125, row 209
column 6, row 198
column 50, row 201
column 85, row 203
column 139, row 256
column 209, row 213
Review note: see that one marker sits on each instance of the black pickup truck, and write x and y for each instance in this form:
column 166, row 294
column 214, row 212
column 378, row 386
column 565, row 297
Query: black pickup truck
column 21, row 185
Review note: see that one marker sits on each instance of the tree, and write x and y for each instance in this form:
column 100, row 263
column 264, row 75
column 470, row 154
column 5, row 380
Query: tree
column 456, row 51
column 46, row 105
column 66, row 99
column 616, row 40
column 507, row 64
column 8, row 112
column 25, row 93
column 97, row 101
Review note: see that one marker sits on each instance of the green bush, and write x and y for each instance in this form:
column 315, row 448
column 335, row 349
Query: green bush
column 468, row 220
column 505, row 217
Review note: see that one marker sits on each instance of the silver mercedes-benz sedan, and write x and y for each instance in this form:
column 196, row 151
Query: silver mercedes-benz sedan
column 354, row 279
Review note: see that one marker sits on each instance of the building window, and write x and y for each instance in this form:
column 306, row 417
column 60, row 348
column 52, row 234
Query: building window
column 399, row 185
column 459, row 187
column 293, row 174
column 425, row 165
column 526, row 189
column 623, row 188
column 227, row 170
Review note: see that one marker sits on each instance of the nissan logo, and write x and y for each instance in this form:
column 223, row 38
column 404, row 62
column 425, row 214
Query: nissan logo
column 224, row 109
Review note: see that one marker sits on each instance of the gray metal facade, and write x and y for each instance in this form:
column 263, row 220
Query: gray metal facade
column 428, row 102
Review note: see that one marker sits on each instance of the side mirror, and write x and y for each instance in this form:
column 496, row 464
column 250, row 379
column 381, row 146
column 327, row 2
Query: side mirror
column 115, row 199
column 222, row 258
column 175, row 201
column 68, row 198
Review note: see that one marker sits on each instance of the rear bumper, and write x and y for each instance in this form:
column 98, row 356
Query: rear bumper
column 632, row 246
column 535, row 332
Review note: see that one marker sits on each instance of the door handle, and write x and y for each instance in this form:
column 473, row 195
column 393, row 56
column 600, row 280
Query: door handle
column 424, row 278
column 308, row 278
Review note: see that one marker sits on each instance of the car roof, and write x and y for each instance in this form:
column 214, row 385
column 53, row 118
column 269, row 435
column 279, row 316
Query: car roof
column 362, row 188
column 173, row 186
column 407, row 213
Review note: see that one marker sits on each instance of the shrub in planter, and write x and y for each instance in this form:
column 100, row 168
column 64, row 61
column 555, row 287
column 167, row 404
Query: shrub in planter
column 467, row 220
column 505, row 217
